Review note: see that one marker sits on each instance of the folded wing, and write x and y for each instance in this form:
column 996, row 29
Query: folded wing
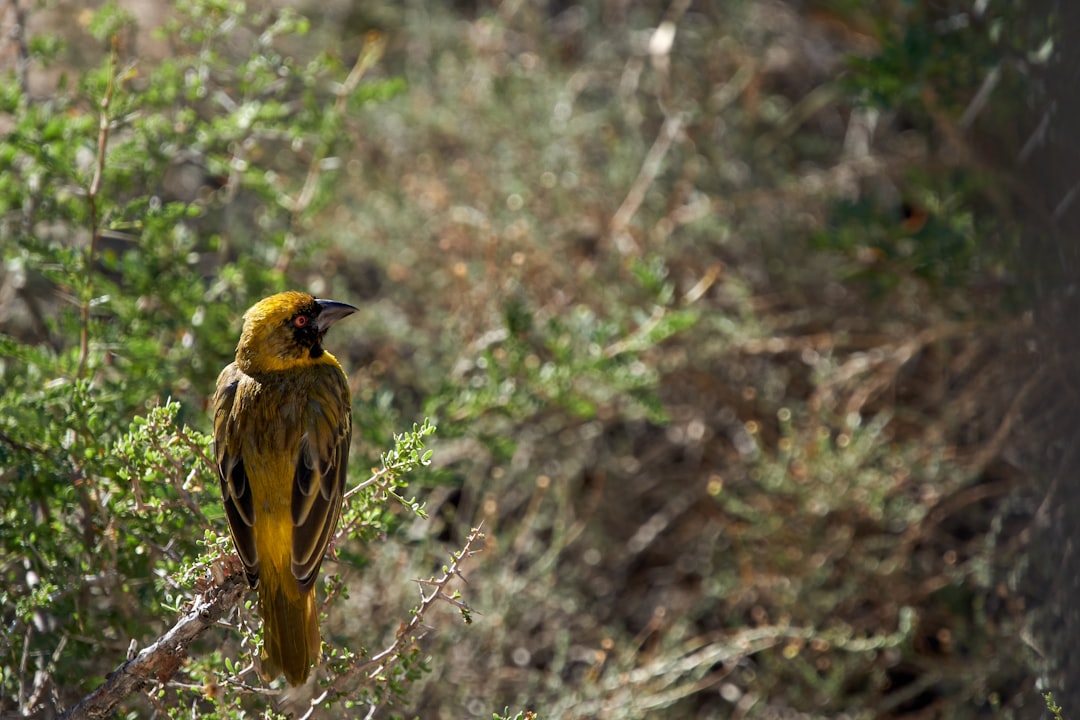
column 235, row 489
column 321, row 465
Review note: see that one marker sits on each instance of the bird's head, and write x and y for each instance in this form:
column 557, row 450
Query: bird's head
column 285, row 331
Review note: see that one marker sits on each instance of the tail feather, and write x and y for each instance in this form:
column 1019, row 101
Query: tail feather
column 291, row 639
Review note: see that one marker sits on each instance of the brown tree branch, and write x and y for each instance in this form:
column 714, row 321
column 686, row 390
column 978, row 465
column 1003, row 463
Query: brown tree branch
column 160, row 661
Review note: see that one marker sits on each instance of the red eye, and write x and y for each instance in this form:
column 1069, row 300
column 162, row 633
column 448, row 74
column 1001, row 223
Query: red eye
column 300, row 321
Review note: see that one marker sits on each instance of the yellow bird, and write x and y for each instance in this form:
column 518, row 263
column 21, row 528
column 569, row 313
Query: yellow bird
column 282, row 427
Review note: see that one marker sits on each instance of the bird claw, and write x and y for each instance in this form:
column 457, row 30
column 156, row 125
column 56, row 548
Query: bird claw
column 221, row 569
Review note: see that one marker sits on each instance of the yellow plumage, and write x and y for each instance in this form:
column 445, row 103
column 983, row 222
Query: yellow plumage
column 282, row 425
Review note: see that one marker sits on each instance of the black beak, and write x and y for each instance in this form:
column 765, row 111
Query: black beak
column 330, row 311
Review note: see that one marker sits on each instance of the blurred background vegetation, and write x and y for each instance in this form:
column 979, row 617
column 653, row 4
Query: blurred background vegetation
column 744, row 327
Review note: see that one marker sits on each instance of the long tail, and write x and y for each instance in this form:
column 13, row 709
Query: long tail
column 291, row 639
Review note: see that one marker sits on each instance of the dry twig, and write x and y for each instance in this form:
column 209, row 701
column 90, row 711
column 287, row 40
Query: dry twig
column 380, row 665
column 650, row 168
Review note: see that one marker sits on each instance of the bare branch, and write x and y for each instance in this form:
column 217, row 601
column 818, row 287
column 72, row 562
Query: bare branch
column 160, row 661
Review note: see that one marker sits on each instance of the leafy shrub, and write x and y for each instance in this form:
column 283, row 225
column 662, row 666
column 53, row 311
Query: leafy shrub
column 144, row 207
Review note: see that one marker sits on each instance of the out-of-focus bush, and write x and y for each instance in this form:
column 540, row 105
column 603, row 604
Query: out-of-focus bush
column 688, row 292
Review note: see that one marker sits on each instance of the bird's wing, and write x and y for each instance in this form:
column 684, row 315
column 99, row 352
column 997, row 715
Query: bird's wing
column 235, row 490
column 319, row 482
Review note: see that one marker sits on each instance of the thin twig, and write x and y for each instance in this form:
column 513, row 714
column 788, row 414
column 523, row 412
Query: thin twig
column 184, row 434
column 95, row 217
column 885, row 364
column 636, row 340
column 650, row 168
column 42, row 680
column 22, row 49
column 994, row 446
column 174, row 477
column 383, row 479
column 378, row 665
column 22, row 669
column 374, row 45
column 982, row 97
column 660, row 45
column 426, row 602
column 375, row 477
